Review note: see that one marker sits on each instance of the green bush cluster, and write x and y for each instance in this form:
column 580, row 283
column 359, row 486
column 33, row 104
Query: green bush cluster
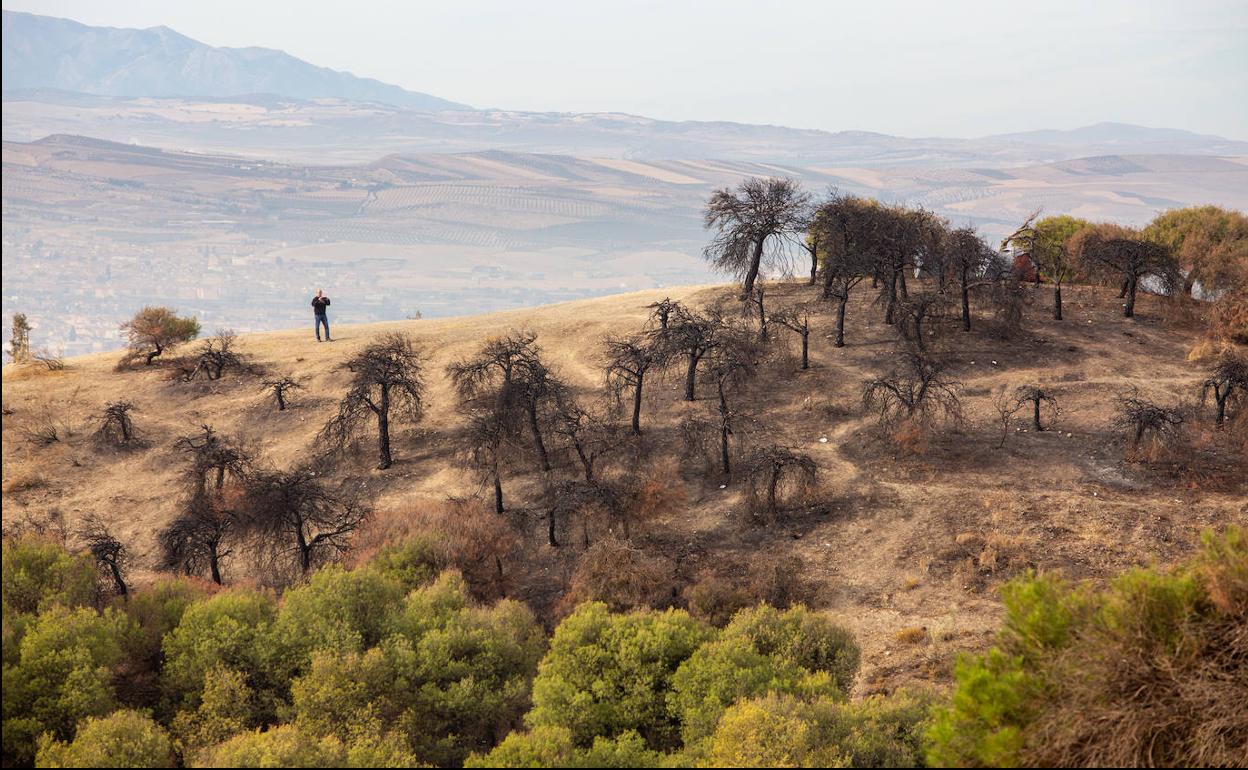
column 1149, row 671
column 661, row 688
column 391, row 664
column 388, row 664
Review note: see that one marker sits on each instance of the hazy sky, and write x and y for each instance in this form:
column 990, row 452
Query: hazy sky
column 951, row 68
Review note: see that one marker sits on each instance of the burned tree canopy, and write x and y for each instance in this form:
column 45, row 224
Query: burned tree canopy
column 917, row 389
column 110, row 554
column 290, row 513
column 753, row 225
column 213, row 457
column 628, row 360
column 1228, row 382
column 1129, row 256
column 773, row 473
column 386, row 384
column 508, row 379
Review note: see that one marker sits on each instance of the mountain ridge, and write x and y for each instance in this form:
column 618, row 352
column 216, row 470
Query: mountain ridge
column 49, row 52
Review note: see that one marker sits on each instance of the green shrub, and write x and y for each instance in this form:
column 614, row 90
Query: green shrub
column 806, row 638
column 413, row 562
column 64, row 673
column 226, row 708
column 554, row 747
column 451, row 679
column 230, row 629
column 781, row 730
column 38, row 574
column 1147, row 671
column 155, row 611
column 720, row 673
column 607, row 674
column 121, row 739
column 338, row 610
column 282, row 746
column 286, row 746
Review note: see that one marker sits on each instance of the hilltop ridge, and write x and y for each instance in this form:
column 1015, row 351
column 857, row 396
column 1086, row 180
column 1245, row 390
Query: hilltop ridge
column 889, row 541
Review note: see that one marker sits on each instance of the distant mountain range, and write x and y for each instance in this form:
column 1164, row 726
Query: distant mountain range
column 46, row 52
column 112, row 75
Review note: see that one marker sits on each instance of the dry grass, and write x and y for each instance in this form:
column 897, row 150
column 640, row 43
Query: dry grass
column 24, row 480
column 911, row 635
column 877, row 547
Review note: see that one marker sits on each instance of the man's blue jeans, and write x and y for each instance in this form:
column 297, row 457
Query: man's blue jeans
column 320, row 319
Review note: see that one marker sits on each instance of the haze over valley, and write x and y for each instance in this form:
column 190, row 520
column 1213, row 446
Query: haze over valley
column 158, row 170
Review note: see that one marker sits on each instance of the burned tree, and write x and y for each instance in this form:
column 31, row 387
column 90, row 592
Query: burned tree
column 628, row 361
column 487, row 438
column 110, row 554
column 916, row 390
column 508, row 378
column 386, row 384
column 733, row 362
column 213, row 457
column 916, row 310
column 1142, row 418
column 565, row 499
column 662, row 311
column 117, row 427
column 290, row 513
column 755, row 305
column 691, row 335
column 797, row 320
column 1228, row 382
column 848, row 251
column 198, row 539
column 1037, row 396
column 969, row 259
column 589, row 435
column 775, row 472
column 753, row 224
column 811, row 245
column 281, row 388
column 153, row 330
column 216, row 354
column 1131, row 257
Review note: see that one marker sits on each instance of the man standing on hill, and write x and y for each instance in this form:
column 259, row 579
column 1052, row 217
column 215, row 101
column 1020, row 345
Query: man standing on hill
column 319, row 303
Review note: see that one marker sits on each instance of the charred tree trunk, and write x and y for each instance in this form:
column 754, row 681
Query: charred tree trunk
column 691, row 376
column 840, row 322
column 805, row 348
column 1132, row 285
column 1035, row 414
column 890, row 314
column 752, row 274
column 383, row 429
column 550, row 529
column 814, row 262
column 637, row 406
column 152, row 355
column 214, row 563
column 966, row 303
column 1057, row 302
column 724, row 430
column 498, row 493
column 538, row 443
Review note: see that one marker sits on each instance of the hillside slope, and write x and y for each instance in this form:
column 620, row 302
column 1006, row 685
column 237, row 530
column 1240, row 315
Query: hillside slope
column 889, row 542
